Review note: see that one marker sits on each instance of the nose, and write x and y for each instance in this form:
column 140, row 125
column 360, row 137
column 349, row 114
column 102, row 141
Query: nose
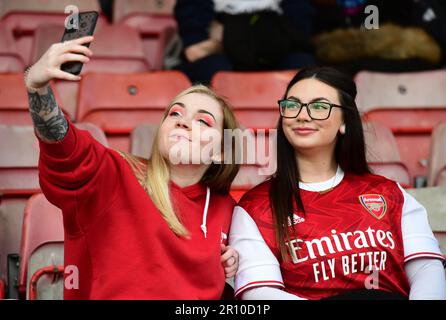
column 183, row 123
column 303, row 114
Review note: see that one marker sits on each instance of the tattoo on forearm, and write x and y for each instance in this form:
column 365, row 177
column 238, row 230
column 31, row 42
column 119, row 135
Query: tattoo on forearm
column 48, row 118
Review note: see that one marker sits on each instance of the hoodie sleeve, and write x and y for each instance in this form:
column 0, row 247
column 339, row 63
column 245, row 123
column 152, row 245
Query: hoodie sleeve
column 78, row 175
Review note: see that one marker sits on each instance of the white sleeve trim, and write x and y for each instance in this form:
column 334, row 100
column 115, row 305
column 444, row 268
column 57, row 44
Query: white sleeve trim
column 418, row 239
column 257, row 264
column 268, row 293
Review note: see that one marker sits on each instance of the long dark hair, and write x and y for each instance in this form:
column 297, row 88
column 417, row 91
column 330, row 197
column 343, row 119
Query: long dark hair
column 349, row 151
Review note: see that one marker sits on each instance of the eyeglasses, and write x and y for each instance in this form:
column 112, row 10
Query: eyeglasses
column 316, row 110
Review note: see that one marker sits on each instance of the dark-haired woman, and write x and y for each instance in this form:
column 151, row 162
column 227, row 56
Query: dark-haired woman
column 324, row 226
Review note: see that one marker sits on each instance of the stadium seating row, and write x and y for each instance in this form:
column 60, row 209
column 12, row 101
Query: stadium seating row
column 410, row 104
column 135, row 42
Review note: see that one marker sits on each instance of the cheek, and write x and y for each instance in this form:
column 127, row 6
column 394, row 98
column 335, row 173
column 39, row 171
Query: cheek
column 286, row 126
column 163, row 140
column 329, row 128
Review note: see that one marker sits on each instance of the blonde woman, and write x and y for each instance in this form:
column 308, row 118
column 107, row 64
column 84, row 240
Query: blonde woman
column 137, row 228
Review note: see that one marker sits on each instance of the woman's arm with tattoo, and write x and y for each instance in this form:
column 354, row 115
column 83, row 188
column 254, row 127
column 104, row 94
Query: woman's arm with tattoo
column 49, row 121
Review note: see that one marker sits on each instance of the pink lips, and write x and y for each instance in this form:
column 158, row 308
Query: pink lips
column 179, row 137
column 304, row 131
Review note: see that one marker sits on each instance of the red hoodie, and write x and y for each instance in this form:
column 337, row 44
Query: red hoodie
column 116, row 237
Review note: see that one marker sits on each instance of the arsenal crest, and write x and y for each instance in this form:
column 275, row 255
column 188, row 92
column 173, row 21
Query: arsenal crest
column 375, row 204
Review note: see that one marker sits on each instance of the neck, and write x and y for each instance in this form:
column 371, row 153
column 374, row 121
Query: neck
column 316, row 166
column 186, row 175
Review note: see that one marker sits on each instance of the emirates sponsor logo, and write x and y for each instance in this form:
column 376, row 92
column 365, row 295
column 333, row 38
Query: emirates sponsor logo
column 375, row 204
column 364, row 251
column 339, row 242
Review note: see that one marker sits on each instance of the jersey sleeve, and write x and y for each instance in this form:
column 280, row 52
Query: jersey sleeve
column 78, row 175
column 257, row 264
column 418, row 239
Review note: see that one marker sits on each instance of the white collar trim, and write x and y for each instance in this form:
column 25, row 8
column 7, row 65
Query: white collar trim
column 325, row 185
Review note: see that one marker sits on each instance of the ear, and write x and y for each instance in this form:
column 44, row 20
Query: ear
column 342, row 129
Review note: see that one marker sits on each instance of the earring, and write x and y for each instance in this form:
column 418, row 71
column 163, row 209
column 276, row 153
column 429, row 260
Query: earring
column 342, row 129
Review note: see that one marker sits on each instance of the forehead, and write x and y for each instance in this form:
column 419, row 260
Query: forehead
column 309, row 89
column 197, row 101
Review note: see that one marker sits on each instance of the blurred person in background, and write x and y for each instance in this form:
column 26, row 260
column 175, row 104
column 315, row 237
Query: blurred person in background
column 410, row 34
column 243, row 35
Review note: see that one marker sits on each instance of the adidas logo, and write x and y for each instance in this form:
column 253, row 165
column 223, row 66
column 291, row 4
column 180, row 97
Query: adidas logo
column 296, row 219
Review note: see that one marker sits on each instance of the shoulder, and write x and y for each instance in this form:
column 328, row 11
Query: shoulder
column 138, row 165
column 256, row 200
column 373, row 181
column 225, row 200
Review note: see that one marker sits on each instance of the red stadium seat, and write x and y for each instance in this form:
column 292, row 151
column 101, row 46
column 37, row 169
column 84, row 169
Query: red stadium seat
column 118, row 103
column 410, row 104
column 19, row 159
column 155, row 22
column 41, row 247
column 437, row 159
column 253, row 95
column 156, row 34
column 10, row 60
column 14, row 106
column 382, row 153
column 410, row 89
column 411, row 128
column 24, row 16
column 123, row 8
column 142, row 139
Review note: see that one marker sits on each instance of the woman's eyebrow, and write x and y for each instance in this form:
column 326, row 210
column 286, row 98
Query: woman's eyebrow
column 313, row 100
column 204, row 111
column 199, row 111
column 179, row 104
column 319, row 99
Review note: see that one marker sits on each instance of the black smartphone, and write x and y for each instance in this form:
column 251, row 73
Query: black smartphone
column 85, row 27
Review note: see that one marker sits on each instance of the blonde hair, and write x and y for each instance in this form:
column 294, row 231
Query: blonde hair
column 218, row 177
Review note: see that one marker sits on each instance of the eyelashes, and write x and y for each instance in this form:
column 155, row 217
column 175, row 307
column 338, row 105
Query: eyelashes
column 175, row 111
column 202, row 119
column 206, row 121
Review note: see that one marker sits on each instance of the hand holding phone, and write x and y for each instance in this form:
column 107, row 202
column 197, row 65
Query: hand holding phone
column 85, row 27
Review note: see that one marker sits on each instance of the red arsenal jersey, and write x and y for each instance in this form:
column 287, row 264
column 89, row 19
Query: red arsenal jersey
column 356, row 236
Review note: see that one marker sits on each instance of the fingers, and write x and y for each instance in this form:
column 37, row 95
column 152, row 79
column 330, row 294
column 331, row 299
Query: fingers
column 229, row 259
column 80, row 41
column 226, row 255
column 75, row 48
column 231, row 271
column 73, row 57
column 59, row 74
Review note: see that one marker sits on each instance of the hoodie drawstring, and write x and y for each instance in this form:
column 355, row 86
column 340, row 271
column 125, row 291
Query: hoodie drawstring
column 205, row 212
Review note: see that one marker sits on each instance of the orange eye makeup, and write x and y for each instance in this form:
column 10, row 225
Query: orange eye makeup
column 176, row 110
column 206, row 119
